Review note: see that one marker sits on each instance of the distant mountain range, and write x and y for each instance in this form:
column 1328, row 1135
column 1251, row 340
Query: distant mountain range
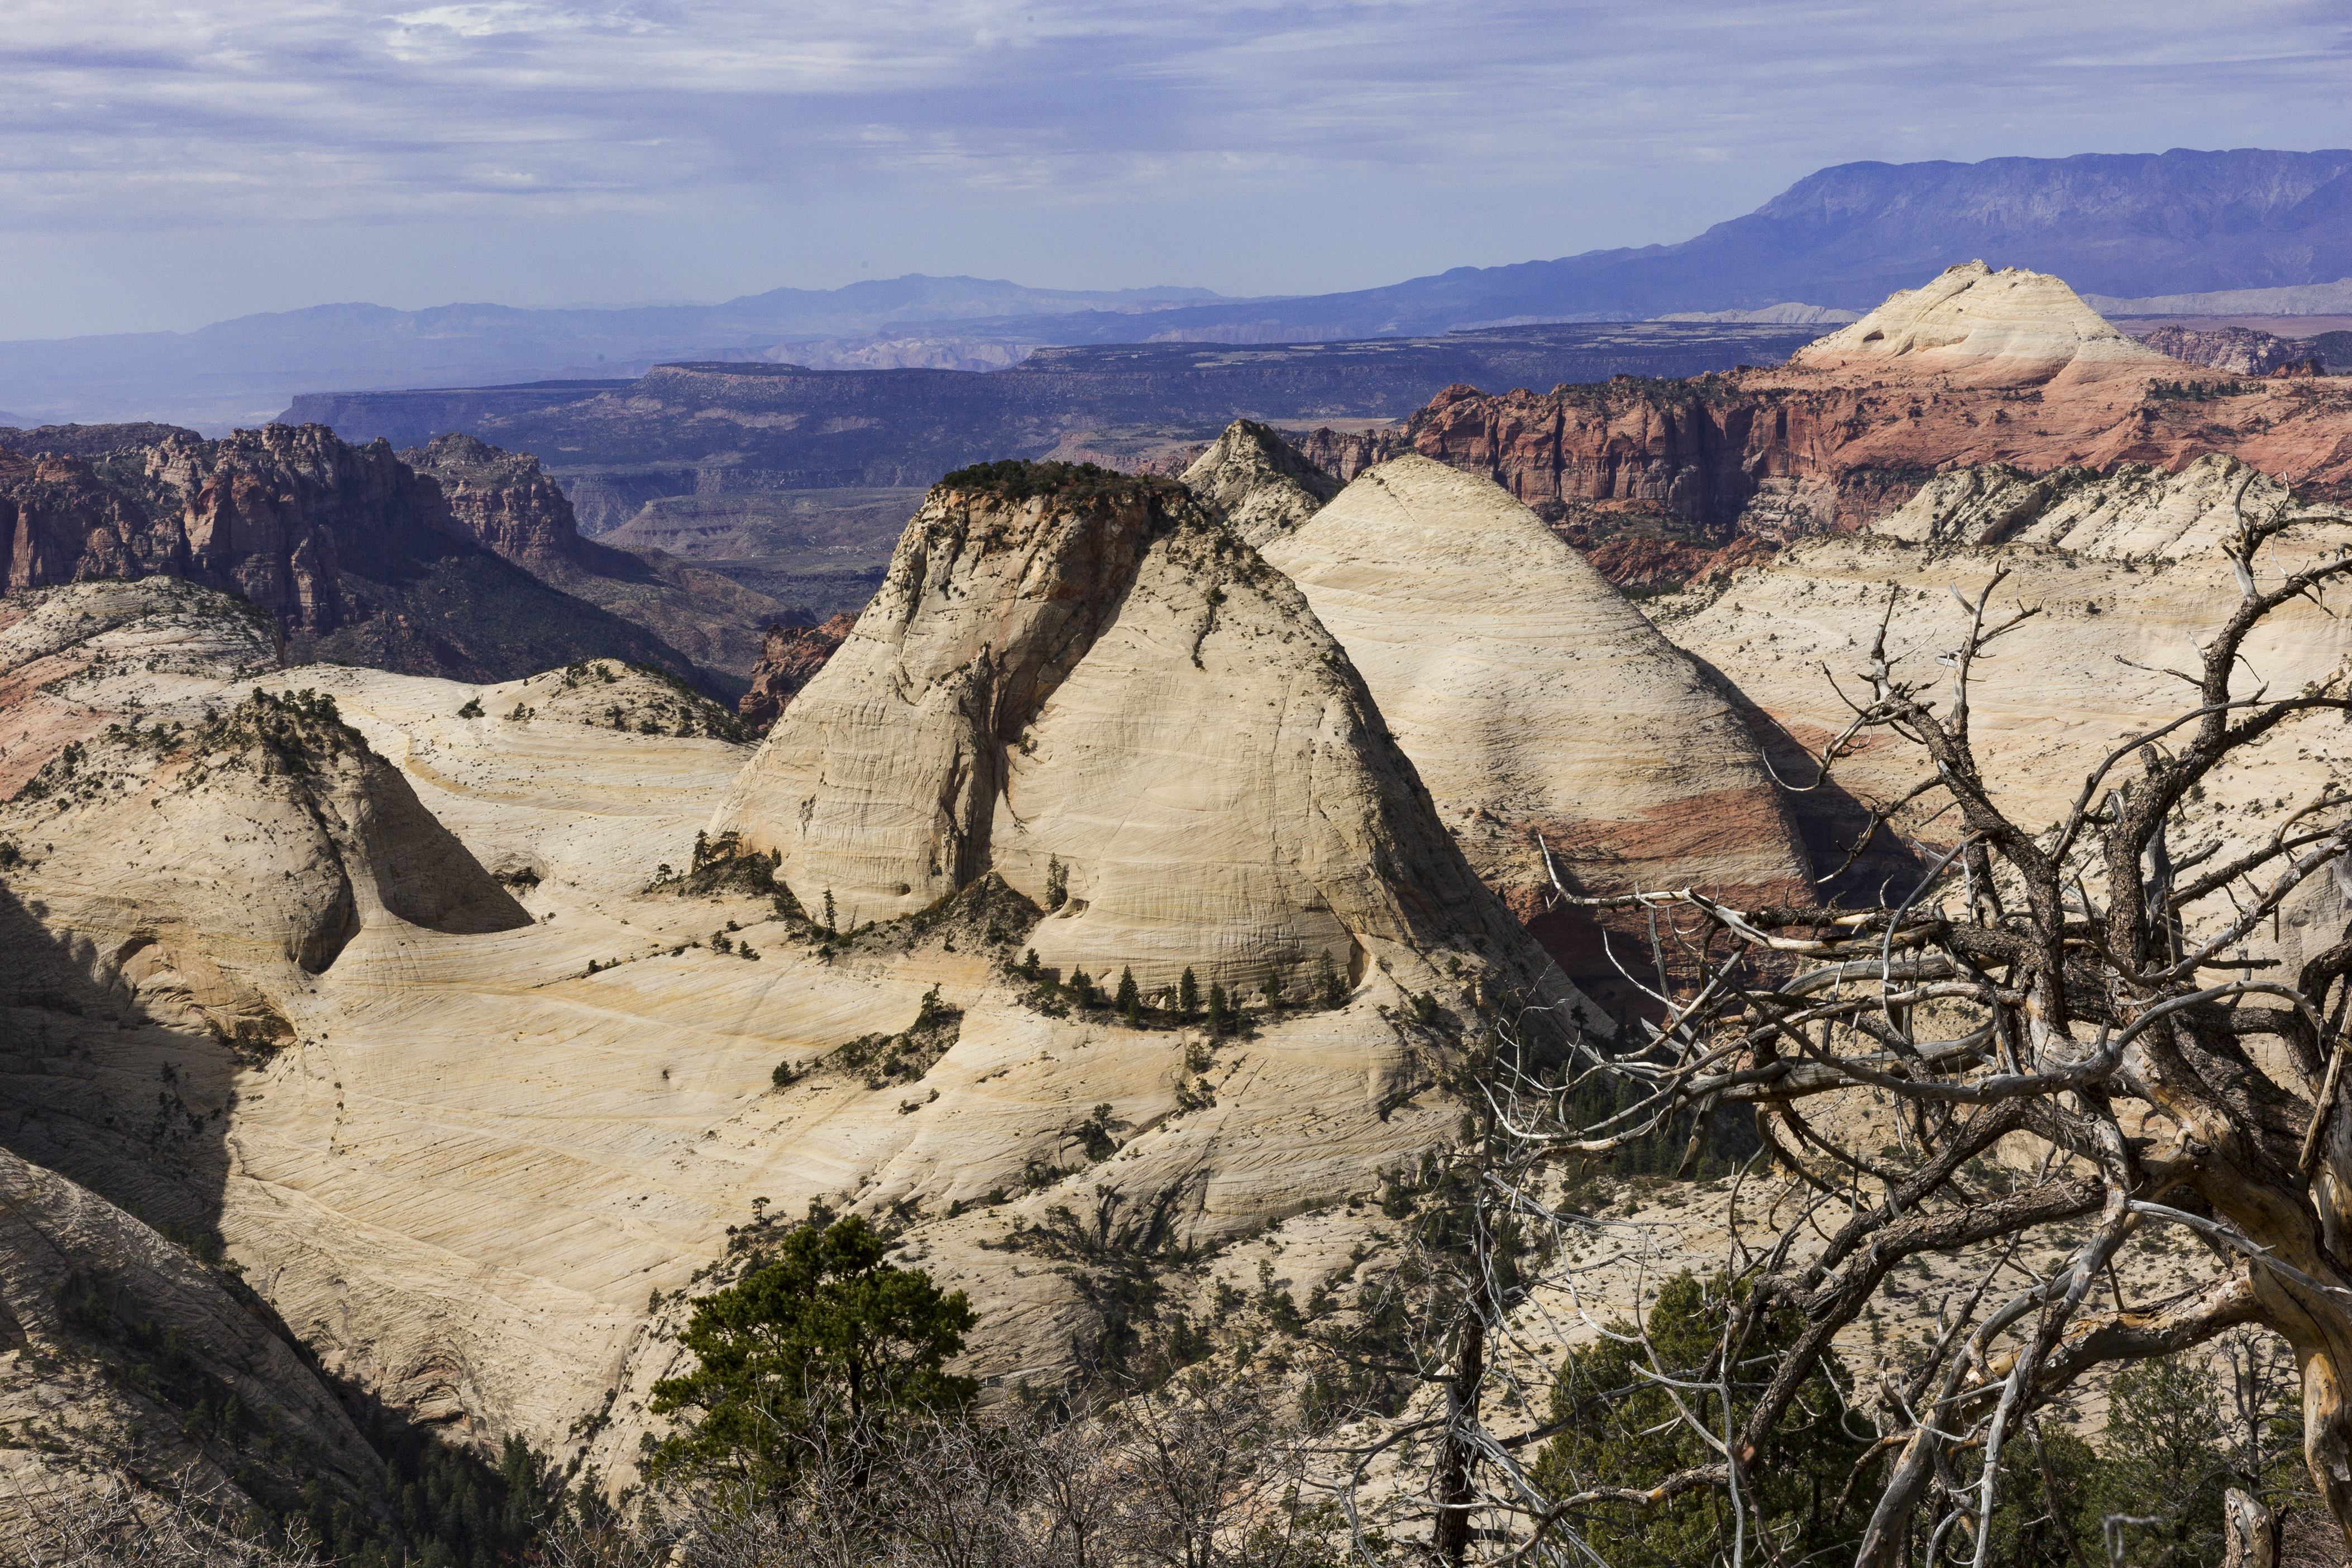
column 2125, row 226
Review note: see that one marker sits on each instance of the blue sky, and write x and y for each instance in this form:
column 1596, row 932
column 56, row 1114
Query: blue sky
column 160, row 168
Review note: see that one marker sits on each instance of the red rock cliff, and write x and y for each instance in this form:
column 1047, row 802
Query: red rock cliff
column 789, row 657
column 501, row 499
column 272, row 513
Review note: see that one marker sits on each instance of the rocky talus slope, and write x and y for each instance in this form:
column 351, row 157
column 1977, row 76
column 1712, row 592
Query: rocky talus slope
column 1263, row 487
column 506, row 503
column 1993, row 368
column 789, row 658
column 1103, row 677
column 1539, row 706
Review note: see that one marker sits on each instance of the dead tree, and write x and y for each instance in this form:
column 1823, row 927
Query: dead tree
column 2062, row 1021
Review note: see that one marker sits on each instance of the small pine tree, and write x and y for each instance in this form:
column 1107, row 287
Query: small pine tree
column 1057, row 882
column 1217, row 1020
column 828, row 910
column 1334, row 990
column 1082, row 986
column 1130, row 1000
column 1188, row 993
column 1029, row 967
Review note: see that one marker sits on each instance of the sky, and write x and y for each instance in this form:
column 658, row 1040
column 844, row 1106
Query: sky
column 162, row 167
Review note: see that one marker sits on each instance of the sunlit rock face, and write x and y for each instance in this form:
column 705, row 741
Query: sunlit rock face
column 1112, row 680
column 1542, row 710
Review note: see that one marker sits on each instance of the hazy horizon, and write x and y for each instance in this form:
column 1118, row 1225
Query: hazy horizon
column 166, row 173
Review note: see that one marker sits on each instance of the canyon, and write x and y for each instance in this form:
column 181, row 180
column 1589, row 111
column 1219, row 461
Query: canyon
column 460, row 1025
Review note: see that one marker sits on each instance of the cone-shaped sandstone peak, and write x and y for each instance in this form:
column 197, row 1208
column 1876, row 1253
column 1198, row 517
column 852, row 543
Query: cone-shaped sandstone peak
column 1983, row 328
column 1263, row 487
column 1535, row 699
column 1094, row 670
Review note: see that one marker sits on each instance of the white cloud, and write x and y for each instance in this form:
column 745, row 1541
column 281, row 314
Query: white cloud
column 1590, row 122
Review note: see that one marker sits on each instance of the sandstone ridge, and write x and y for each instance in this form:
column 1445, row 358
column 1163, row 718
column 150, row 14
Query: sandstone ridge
column 1261, row 483
column 1106, row 677
column 1540, row 707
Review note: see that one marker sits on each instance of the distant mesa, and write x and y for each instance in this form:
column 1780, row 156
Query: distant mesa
column 2294, row 299
column 2241, row 351
column 1791, row 314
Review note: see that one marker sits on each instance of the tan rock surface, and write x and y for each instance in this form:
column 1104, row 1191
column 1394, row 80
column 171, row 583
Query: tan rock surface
column 1118, row 683
column 1983, row 328
column 468, row 1163
column 2122, row 568
column 1536, row 700
column 111, row 1339
column 1265, row 488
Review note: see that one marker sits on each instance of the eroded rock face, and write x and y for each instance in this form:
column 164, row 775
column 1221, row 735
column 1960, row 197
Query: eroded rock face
column 318, row 837
column 1259, row 481
column 789, row 658
column 1109, row 679
column 1538, row 705
column 2241, row 351
column 2136, row 511
column 505, row 502
column 251, row 513
column 2126, row 578
column 502, row 499
column 278, row 512
column 115, row 1344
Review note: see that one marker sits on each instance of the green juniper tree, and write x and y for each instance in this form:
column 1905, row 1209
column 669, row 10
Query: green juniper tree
column 1617, row 1404
column 1187, row 994
column 1130, row 1000
column 825, row 1338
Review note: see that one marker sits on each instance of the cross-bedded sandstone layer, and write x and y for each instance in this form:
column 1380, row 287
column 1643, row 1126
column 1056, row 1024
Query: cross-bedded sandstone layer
column 1546, row 716
column 1100, row 675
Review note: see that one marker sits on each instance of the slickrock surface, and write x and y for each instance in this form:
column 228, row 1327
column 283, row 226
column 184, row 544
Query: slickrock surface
column 75, row 659
column 789, row 658
column 1106, row 675
column 466, row 1163
column 117, row 1353
column 1981, row 328
column 1536, row 700
column 2122, row 568
column 1846, row 433
column 1263, row 486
